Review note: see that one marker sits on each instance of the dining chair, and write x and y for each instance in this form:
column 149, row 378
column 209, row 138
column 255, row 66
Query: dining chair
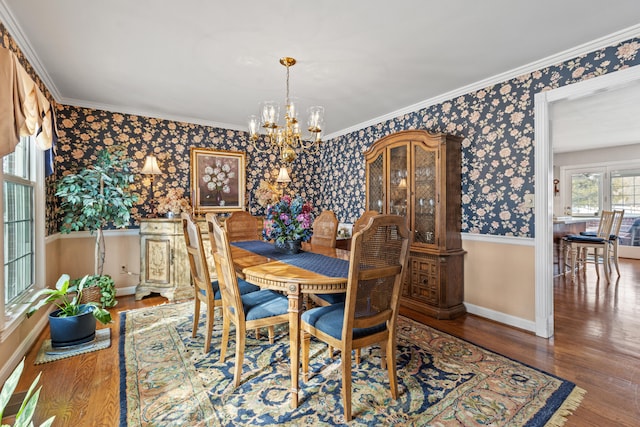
column 614, row 238
column 578, row 246
column 368, row 315
column 325, row 229
column 363, row 220
column 249, row 311
column 241, row 225
column 206, row 291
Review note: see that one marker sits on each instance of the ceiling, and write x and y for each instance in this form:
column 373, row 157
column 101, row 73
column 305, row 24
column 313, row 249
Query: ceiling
column 212, row 62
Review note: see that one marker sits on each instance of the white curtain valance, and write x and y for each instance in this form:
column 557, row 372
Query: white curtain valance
column 24, row 110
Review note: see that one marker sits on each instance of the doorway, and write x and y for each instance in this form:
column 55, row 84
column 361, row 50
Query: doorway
column 544, row 183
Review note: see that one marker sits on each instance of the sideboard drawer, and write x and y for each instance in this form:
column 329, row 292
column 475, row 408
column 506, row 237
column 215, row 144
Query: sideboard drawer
column 159, row 227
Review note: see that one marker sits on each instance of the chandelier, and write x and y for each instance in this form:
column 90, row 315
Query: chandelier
column 286, row 138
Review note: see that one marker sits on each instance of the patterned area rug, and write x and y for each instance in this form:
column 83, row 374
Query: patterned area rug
column 167, row 380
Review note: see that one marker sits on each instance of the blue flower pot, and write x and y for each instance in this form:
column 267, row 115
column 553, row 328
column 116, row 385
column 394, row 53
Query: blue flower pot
column 68, row 331
column 289, row 246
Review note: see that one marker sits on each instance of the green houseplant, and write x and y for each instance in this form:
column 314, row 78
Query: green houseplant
column 27, row 408
column 73, row 322
column 97, row 196
column 104, row 283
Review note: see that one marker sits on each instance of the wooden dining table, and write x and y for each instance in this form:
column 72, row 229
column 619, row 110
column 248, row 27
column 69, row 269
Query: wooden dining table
column 294, row 281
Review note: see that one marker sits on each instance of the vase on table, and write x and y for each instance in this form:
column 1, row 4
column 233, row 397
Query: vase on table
column 288, row 246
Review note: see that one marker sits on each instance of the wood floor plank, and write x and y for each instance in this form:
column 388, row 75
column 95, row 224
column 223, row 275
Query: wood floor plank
column 596, row 345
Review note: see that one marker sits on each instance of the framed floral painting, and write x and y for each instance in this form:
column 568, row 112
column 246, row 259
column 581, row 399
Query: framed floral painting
column 217, row 180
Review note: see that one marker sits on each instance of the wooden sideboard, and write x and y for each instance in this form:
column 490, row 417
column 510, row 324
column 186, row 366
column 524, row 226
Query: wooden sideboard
column 164, row 267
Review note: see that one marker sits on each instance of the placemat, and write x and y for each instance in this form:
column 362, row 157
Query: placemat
column 321, row 264
column 50, row 354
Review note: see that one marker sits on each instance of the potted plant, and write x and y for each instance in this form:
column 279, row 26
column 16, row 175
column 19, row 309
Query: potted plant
column 25, row 413
column 73, row 322
column 97, row 288
column 96, row 196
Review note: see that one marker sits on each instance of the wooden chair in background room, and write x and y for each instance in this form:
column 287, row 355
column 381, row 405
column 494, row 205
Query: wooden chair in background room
column 578, row 247
column 325, row 229
column 369, row 314
column 241, row 226
column 614, row 238
column 249, row 311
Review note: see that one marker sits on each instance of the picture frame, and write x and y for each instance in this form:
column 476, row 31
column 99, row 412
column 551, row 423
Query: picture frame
column 217, row 180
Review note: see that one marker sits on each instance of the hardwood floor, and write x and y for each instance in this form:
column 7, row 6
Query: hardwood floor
column 596, row 345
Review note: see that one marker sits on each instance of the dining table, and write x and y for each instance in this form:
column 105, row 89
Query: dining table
column 317, row 269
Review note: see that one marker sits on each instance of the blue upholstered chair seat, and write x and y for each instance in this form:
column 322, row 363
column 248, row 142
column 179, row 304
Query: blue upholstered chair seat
column 263, row 304
column 245, row 288
column 594, row 234
column 332, row 298
column 330, row 320
column 586, row 239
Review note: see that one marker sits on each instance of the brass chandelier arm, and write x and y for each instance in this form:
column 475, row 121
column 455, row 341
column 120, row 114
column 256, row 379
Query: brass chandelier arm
column 287, row 138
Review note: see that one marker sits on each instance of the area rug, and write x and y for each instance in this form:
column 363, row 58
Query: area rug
column 167, row 380
column 47, row 353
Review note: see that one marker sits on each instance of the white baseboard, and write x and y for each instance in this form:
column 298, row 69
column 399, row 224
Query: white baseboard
column 129, row 290
column 516, row 322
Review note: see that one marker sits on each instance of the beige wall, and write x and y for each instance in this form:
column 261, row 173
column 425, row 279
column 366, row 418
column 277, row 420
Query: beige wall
column 500, row 277
column 122, row 248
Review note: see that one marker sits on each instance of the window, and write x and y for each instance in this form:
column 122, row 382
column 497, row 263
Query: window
column 21, row 231
column 625, row 191
column 586, row 193
column 17, row 193
column 589, row 190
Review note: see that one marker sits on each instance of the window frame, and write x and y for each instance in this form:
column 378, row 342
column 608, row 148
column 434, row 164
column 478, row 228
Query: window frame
column 14, row 313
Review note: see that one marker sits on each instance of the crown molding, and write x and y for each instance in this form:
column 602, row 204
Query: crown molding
column 23, row 42
column 156, row 115
column 555, row 59
column 25, row 46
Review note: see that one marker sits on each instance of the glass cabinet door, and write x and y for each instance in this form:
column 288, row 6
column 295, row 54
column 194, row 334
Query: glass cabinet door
column 398, row 188
column 424, row 208
column 375, row 181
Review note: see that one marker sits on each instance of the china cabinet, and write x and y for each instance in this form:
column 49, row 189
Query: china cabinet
column 416, row 174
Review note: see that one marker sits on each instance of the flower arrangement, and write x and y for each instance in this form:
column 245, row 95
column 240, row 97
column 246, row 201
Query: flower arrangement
column 173, row 202
column 288, row 220
column 267, row 193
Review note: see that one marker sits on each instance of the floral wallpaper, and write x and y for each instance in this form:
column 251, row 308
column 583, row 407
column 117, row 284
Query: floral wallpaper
column 497, row 123
column 83, row 132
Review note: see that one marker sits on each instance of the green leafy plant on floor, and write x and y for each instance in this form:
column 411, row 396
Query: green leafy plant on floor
column 69, row 303
column 106, row 285
column 27, row 409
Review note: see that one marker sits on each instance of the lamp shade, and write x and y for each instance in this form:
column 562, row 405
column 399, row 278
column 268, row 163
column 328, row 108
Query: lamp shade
column 283, row 176
column 151, row 166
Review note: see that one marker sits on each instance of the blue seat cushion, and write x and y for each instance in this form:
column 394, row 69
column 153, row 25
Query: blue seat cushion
column 244, row 286
column 332, row 298
column 330, row 320
column 263, row 304
column 594, row 234
column 584, row 239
